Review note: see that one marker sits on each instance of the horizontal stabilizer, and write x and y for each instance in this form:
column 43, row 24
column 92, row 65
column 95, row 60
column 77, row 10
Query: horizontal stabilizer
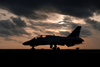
column 75, row 32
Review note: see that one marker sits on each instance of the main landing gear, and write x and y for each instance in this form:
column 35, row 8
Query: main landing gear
column 33, row 48
column 55, row 47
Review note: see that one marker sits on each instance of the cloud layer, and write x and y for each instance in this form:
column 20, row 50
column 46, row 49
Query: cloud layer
column 67, row 25
column 29, row 8
column 9, row 28
column 95, row 24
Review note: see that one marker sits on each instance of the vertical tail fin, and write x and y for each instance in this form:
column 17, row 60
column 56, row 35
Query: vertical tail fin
column 75, row 32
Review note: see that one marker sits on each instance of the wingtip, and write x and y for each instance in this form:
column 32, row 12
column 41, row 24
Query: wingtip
column 79, row 26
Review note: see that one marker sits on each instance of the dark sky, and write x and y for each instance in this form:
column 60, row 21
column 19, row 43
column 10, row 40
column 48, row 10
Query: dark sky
column 27, row 8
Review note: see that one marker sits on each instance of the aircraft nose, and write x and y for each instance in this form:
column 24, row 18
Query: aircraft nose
column 24, row 43
column 82, row 40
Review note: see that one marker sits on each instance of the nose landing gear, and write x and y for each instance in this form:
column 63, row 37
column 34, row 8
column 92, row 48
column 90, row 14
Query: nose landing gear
column 33, row 48
column 55, row 47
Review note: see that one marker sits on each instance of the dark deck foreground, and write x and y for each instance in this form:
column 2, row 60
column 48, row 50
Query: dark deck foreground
column 48, row 51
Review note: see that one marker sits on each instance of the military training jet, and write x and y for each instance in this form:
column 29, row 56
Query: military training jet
column 71, row 40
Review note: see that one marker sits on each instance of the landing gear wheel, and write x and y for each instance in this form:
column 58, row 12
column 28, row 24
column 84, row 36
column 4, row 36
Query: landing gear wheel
column 54, row 48
column 58, row 48
column 33, row 48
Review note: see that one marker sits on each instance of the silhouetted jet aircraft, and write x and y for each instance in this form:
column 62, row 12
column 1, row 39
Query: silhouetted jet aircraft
column 70, row 40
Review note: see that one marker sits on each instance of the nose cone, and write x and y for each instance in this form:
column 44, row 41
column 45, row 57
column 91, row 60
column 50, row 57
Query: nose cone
column 26, row 43
column 82, row 40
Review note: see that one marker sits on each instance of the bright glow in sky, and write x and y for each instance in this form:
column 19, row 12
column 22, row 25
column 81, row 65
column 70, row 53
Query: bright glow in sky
column 81, row 21
column 61, row 23
column 95, row 17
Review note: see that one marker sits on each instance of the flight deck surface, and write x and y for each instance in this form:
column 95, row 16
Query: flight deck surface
column 49, row 51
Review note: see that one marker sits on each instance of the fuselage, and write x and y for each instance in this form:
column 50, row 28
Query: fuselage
column 69, row 41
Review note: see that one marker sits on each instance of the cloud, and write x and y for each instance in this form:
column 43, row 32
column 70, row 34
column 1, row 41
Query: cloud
column 36, row 33
column 85, row 30
column 47, row 25
column 3, row 14
column 93, row 23
column 83, row 33
column 15, row 28
column 9, row 39
column 6, row 32
column 49, row 32
column 12, row 32
column 18, row 22
column 19, row 32
column 68, row 25
column 64, row 33
column 76, row 8
column 7, row 24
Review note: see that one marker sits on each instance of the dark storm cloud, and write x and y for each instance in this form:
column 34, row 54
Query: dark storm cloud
column 27, row 8
column 7, row 24
column 18, row 22
column 5, row 32
column 65, row 33
column 12, row 32
column 47, row 25
column 85, row 30
column 19, row 32
column 93, row 23
column 35, row 28
column 68, row 24
column 3, row 14
column 49, row 32
column 9, row 39
column 8, row 28
column 36, row 33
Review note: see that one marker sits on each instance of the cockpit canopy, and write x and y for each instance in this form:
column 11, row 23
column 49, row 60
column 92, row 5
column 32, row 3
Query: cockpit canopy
column 42, row 36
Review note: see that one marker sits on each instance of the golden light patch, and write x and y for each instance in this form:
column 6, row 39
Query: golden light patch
column 54, row 17
column 81, row 21
column 8, row 14
column 95, row 17
column 63, row 30
column 60, row 19
column 52, row 30
column 61, row 23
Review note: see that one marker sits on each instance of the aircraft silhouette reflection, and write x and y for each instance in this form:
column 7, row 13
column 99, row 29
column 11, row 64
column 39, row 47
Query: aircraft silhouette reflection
column 71, row 40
